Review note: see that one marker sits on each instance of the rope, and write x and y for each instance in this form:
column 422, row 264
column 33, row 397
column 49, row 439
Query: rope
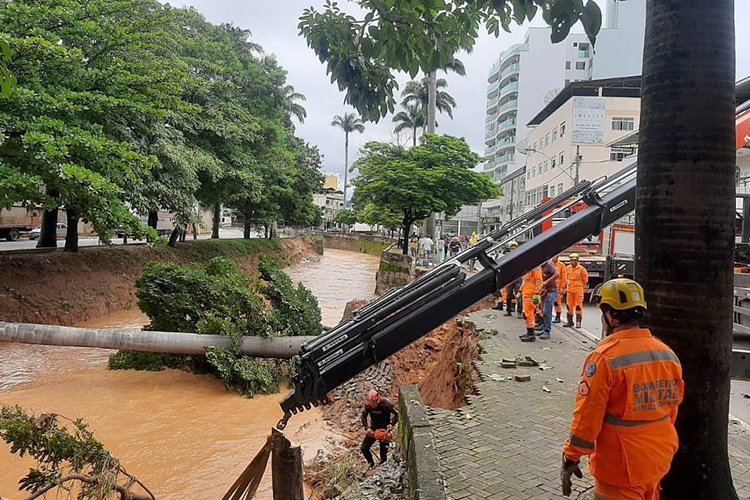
column 246, row 485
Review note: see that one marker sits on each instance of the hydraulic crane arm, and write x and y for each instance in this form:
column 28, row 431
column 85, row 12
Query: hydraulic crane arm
column 404, row 315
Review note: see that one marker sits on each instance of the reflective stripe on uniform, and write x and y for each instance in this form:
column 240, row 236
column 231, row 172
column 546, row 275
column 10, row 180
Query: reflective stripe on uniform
column 636, row 358
column 581, row 443
column 613, row 420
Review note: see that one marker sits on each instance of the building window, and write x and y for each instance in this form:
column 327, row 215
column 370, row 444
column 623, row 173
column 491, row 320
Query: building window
column 554, row 134
column 617, row 154
column 546, row 165
column 567, row 64
column 559, row 188
column 546, row 140
column 580, row 65
column 553, row 163
column 562, row 129
column 552, row 191
column 533, row 172
column 560, row 159
column 619, row 123
column 567, row 82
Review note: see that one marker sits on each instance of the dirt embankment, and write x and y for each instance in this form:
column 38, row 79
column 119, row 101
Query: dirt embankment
column 65, row 288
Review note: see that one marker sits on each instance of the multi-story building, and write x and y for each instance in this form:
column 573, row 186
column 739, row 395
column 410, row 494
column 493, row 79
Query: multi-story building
column 510, row 206
column 586, row 119
column 331, row 202
column 332, row 181
column 521, row 82
column 619, row 44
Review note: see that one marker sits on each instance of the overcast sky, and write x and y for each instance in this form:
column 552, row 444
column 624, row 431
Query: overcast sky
column 274, row 25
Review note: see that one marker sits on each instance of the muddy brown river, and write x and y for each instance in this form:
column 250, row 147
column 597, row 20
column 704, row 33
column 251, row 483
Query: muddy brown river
column 181, row 434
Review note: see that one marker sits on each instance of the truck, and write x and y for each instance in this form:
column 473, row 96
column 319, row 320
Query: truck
column 16, row 221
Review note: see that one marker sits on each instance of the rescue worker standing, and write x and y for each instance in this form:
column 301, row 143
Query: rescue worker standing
column 510, row 291
column 562, row 282
column 578, row 279
column 551, row 275
column 531, row 286
column 626, row 405
column 383, row 416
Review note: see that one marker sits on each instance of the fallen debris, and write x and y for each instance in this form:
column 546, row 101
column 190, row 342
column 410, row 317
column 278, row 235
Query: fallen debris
column 526, row 361
column 560, row 380
column 546, row 389
column 499, row 378
column 523, row 378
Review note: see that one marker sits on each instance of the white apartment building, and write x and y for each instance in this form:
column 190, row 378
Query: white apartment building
column 619, row 45
column 331, row 202
column 521, row 82
column 586, row 117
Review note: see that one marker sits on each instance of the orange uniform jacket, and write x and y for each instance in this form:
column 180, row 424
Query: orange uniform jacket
column 562, row 281
column 532, row 283
column 577, row 278
column 626, row 406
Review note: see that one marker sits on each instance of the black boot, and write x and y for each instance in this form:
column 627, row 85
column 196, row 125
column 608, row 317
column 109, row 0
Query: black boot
column 570, row 321
column 498, row 306
column 508, row 313
column 557, row 318
column 578, row 321
column 530, row 335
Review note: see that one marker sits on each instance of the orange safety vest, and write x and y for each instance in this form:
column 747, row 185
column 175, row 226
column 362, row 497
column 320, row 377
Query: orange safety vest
column 577, row 277
column 562, row 281
column 532, row 283
column 626, row 406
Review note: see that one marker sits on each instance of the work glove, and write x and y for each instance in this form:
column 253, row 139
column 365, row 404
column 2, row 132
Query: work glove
column 535, row 299
column 568, row 469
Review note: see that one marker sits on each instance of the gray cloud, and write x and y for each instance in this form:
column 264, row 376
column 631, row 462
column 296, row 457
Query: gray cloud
column 274, row 26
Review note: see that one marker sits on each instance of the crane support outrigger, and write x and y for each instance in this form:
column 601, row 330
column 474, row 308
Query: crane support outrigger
column 403, row 315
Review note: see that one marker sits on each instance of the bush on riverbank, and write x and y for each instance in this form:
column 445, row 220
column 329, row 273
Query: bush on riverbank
column 218, row 299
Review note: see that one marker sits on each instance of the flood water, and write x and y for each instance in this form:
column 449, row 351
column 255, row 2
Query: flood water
column 183, row 435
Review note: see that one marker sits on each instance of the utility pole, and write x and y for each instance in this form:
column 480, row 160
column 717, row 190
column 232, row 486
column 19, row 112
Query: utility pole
column 510, row 210
column 479, row 219
column 578, row 163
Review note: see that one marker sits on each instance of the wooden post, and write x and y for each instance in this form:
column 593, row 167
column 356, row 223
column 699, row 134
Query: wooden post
column 286, row 468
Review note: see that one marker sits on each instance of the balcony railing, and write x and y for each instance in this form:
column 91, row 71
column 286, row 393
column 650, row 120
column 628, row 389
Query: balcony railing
column 506, row 125
column 504, row 159
column 492, row 102
column 510, row 105
column 493, row 86
column 511, row 87
column 513, row 68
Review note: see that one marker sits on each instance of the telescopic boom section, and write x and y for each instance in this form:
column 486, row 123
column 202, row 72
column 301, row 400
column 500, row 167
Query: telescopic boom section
column 403, row 315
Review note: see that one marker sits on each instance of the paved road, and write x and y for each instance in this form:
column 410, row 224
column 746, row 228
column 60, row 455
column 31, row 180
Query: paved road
column 26, row 244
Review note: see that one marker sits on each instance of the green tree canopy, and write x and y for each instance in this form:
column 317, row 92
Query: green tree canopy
column 435, row 176
column 361, row 54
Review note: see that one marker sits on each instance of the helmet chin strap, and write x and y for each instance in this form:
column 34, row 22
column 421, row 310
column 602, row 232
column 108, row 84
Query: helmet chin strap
column 610, row 326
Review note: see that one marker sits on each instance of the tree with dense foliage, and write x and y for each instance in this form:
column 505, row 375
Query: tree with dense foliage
column 294, row 107
column 7, row 79
column 349, row 123
column 65, row 457
column 347, row 217
column 435, row 176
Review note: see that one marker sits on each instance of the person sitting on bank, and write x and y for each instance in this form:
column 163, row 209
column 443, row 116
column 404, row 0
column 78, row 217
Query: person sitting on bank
column 382, row 416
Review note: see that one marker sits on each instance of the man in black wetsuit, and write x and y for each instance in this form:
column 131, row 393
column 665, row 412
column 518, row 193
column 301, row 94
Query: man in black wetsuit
column 383, row 415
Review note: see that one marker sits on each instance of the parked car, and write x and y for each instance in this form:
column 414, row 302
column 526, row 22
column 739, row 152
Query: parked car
column 62, row 230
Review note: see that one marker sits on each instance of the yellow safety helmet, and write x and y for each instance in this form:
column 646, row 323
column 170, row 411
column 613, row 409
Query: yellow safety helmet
column 513, row 244
column 621, row 294
column 574, row 256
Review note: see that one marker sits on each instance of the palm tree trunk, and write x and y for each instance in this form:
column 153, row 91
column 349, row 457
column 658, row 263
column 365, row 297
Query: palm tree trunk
column 431, row 112
column 146, row 341
column 346, row 163
column 414, row 137
column 71, row 235
column 685, row 207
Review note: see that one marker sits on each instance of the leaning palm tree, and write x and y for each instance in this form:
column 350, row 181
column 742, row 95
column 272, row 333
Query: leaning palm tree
column 412, row 118
column 293, row 108
column 685, row 206
column 417, row 93
column 349, row 123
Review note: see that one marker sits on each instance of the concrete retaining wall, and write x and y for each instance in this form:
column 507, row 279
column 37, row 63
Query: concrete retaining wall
column 419, row 447
column 395, row 270
column 373, row 245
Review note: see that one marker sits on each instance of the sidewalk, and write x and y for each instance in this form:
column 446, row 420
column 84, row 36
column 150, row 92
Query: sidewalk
column 507, row 443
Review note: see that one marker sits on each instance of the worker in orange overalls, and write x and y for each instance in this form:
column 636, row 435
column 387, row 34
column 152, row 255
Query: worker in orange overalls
column 578, row 279
column 626, row 405
column 531, row 287
column 562, row 282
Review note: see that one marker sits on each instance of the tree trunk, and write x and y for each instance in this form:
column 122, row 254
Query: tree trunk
column 48, row 236
column 414, row 137
column 685, row 207
column 71, row 235
column 407, row 228
column 153, row 219
column 174, row 237
column 216, row 221
column 346, row 163
column 246, row 226
column 195, row 231
column 146, row 341
column 183, row 233
column 431, row 112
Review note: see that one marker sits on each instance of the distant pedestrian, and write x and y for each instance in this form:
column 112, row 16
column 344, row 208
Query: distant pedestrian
column 626, row 407
column 455, row 246
column 382, row 417
column 413, row 246
column 440, row 249
column 425, row 246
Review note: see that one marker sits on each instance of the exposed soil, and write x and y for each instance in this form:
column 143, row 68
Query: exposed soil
column 64, row 288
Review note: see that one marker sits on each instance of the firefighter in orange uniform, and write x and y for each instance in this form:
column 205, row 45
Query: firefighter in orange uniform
column 509, row 292
column 562, row 282
column 578, row 279
column 626, row 405
column 531, row 287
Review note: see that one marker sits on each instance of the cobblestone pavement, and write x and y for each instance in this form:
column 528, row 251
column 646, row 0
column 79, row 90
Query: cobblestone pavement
column 507, row 442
